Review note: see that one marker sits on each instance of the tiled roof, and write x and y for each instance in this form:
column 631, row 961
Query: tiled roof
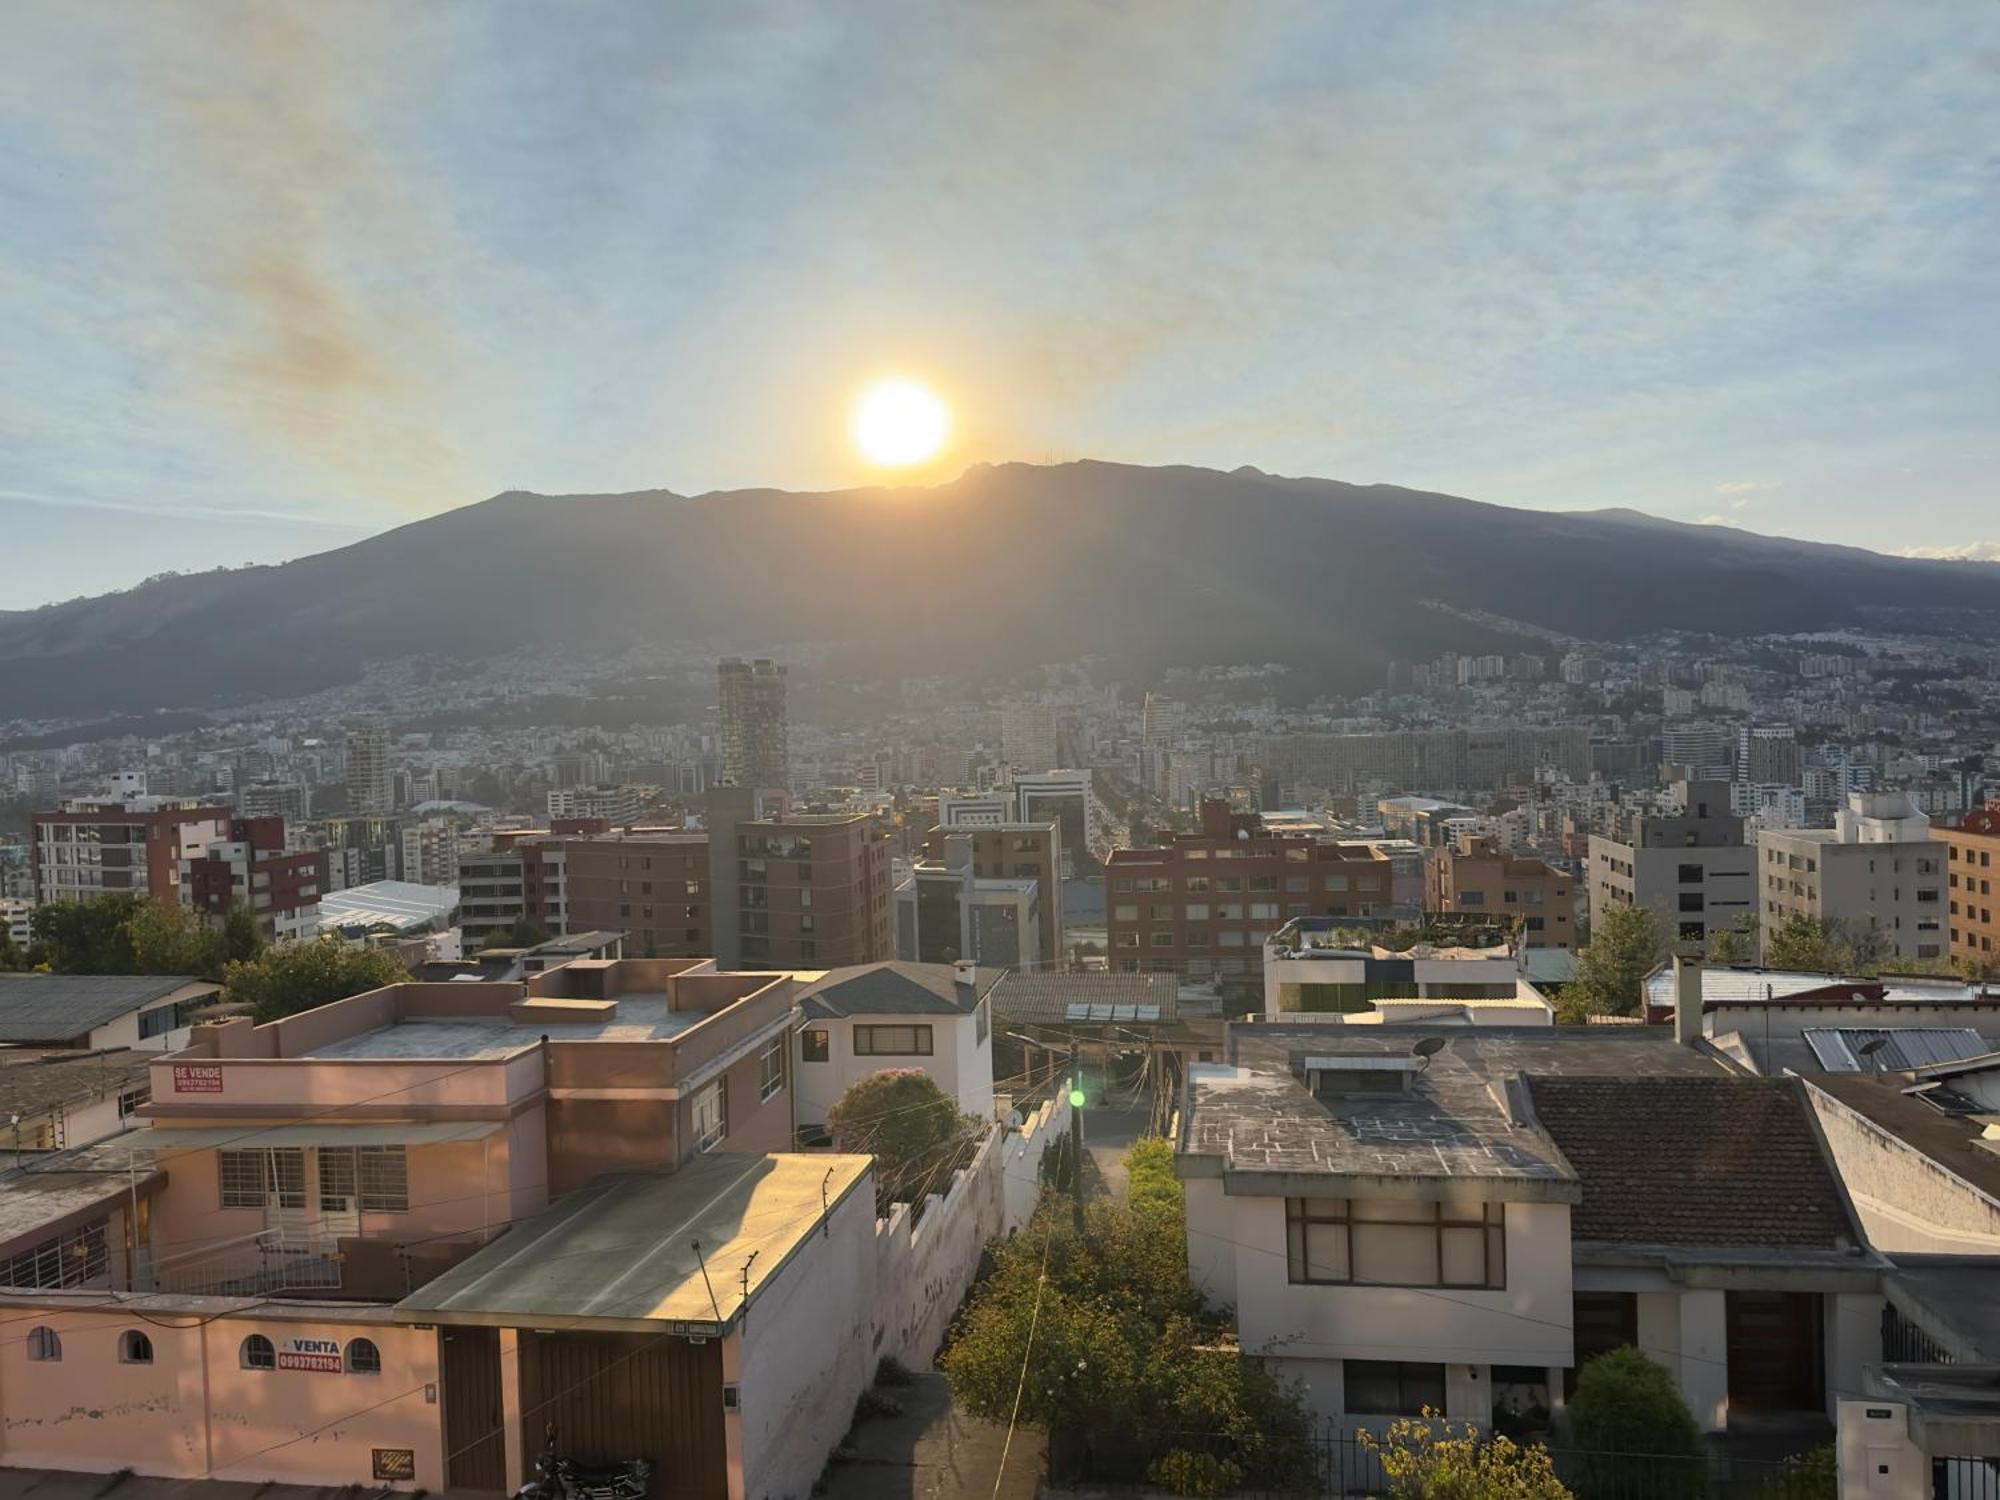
column 892, row 989
column 56, row 1007
column 1048, row 997
column 1694, row 1161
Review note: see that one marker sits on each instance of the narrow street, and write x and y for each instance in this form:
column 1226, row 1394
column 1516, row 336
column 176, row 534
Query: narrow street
column 932, row 1451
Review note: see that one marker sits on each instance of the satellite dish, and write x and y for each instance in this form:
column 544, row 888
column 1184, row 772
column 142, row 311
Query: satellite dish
column 1427, row 1048
column 1867, row 1050
column 1014, row 1119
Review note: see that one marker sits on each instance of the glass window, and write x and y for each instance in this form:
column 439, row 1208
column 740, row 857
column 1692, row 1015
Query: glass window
column 813, row 1044
column 363, row 1358
column 44, row 1347
column 1196, row 911
column 373, row 1178
column 252, row 1178
column 258, row 1354
column 1392, row 1388
column 711, row 1116
column 134, row 1348
column 771, row 1069
column 1381, row 1243
column 892, row 1041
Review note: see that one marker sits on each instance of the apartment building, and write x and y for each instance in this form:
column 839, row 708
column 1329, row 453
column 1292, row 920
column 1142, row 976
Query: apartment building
column 320, row 1244
column 1972, row 852
column 1688, row 862
column 1312, row 967
column 618, row 806
column 370, row 784
column 812, row 891
column 755, row 741
column 1201, row 904
column 1011, row 851
column 1475, row 878
column 252, row 868
column 945, row 913
column 1877, row 874
column 652, row 884
column 490, row 893
column 135, row 843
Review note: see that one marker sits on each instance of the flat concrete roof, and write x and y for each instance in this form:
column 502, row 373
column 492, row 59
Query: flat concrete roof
column 620, row 1255
column 640, row 1017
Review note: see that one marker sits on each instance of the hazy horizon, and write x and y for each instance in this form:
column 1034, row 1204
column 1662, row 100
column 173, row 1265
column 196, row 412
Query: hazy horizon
column 283, row 276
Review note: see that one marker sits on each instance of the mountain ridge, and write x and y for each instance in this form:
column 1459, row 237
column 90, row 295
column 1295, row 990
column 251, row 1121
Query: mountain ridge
column 1009, row 563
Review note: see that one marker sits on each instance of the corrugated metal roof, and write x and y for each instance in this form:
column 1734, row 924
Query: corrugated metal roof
column 1750, row 986
column 56, row 1007
column 1903, row 1047
column 621, row 1254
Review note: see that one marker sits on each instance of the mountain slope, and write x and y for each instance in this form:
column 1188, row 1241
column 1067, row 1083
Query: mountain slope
column 1008, row 564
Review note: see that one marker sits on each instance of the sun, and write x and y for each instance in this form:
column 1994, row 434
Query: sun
column 898, row 423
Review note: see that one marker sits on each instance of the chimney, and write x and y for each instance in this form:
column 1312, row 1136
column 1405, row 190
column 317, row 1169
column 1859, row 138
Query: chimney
column 1687, row 993
column 968, row 974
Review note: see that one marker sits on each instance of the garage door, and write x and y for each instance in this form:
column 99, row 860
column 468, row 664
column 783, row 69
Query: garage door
column 618, row 1396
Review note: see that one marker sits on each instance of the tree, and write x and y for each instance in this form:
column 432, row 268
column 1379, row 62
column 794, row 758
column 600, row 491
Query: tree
column 1130, row 1371
column 907, row 1123
column 1632, row 1425
column 289, row 978
column 1425, row 1459
column 1734, row 945
column 1624, row 946
column 522, row 932
column 13, row 959
column 86, row 937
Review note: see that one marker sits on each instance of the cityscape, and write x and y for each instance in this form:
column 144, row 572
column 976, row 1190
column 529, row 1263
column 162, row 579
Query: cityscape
column 1017, row 753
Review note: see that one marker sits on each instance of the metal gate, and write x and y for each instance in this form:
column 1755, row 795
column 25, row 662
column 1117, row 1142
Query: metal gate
column 614, row 1397
column 475, row 1440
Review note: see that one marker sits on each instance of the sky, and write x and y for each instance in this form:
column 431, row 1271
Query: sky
column 274, row 277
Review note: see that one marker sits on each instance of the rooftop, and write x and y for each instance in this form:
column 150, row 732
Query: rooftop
column 1254, row 1114
column 1044, row 996
column 1731, row 986
column 31, row 1082
column 620, row 1255
column 1718, row 1161
column 1955, row 1142
column 56, row 1007
column 638, row 1018
column 895, row 988
column 401, row 904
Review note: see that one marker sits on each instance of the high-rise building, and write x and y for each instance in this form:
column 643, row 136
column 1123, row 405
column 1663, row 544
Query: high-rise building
column 652, row 884
column 1012, row 852
column 1972, row 883
column 290, row 800
column 1028, row 734
column 136, row 844
column 1689, row 863
column 796, row 890
column 616, row 805
column 1768, row 753
column 251, row 868
column 370, row 788
column 1877, row 873
column 755, row 749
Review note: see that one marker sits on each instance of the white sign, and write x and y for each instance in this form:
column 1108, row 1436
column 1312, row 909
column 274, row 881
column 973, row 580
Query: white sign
column 322, row 1355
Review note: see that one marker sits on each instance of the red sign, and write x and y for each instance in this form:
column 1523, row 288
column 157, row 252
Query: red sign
column 197, row 1078
column 309, row 1354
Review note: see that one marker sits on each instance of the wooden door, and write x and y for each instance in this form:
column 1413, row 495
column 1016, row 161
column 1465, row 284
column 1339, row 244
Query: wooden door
column 614, row 1397
column 475, row 1441
column 1603, row 1321
column 1777, row 1352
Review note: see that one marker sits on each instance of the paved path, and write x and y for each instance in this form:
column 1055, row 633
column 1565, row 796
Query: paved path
column 933, row 1452
column 1109, row 1129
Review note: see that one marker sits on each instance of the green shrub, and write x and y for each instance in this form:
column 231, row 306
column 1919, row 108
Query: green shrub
column 1812, row 1475
column 1186, row 1472
column 1640, row 1442
column 1428, row 1459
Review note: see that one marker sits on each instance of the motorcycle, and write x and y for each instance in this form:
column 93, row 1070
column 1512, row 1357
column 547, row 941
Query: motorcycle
column 559, row 1478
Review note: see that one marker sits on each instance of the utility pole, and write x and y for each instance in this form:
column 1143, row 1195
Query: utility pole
column 1076, row 1130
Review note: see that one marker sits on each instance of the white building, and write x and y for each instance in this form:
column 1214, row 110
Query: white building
column 873, row 1018
column 1689, row 863
column 97, row 1012
column 1877, row 874
column 1309, row 975
column 1461, row 1227
column 17, row 920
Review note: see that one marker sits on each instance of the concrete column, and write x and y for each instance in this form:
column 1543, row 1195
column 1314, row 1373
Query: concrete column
column 1704, row 1346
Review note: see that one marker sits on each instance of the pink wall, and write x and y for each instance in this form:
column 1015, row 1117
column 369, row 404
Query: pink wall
column 291, row 1086
column 195, row 1411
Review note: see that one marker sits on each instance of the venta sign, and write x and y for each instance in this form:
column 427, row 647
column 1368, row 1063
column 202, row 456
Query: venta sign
column 322, row 1355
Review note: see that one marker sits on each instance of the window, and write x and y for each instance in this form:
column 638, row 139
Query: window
column 159, row 1021
column 771, row 1070
column 1472, row 898
column 1263, row 911
column 363, row 1358
column 1197, row 911
column 1690, row 875
column 73, row 1259
column 1127, row 913
column 44, row 1347
column 894, row 1041
column 1336, row 882
column 1364, row 1242
column 1392, row 1388
column 711, row 1116
column 813, row 1044
column 134, row 1348
column 1691, row 901
column 375, row 1179
column 252, row 1178
column 1163, row 940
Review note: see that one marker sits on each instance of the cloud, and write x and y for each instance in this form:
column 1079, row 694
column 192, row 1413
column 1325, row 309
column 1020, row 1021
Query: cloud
column 1747, row 487
column 1962, row 552
column 1717, row 520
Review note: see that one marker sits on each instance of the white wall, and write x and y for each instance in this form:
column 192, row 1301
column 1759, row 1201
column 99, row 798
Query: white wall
column 805, row 1354
column 1236, row 1253
column 1907, row 1202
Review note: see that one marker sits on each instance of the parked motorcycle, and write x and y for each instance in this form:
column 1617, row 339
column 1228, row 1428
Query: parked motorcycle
column 559, row 1478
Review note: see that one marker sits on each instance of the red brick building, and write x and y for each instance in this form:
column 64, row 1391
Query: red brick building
column 134, row 844
column 1476, row 879
column 813, row 891
column 252, row 868
column 1201, row 904
column 650, row 883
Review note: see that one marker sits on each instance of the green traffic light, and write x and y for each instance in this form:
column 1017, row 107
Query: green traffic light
column 1076, row 1098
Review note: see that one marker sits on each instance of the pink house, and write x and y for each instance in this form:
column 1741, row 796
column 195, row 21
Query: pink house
column 239, row 1289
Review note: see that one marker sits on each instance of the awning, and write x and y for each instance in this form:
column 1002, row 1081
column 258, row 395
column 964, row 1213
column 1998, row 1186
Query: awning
column 326, row 1133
